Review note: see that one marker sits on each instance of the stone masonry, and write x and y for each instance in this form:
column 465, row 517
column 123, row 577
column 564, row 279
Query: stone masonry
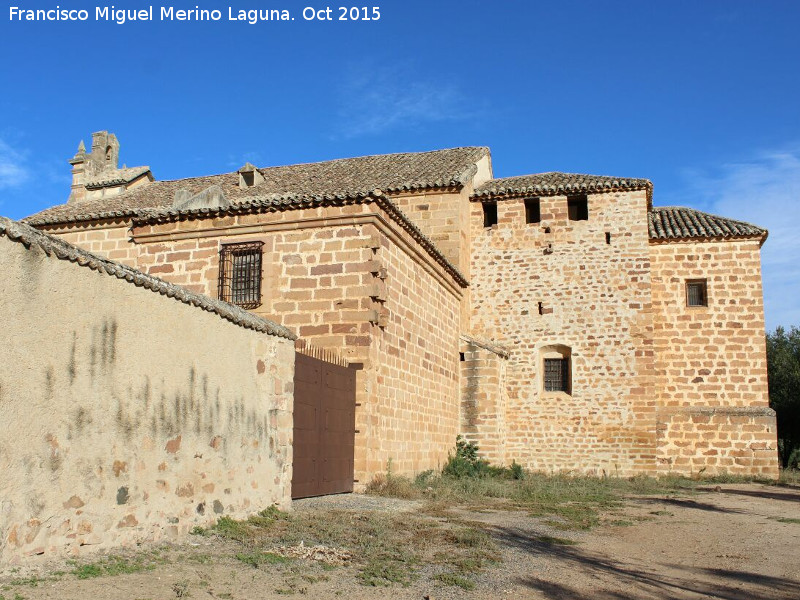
column 458, row 294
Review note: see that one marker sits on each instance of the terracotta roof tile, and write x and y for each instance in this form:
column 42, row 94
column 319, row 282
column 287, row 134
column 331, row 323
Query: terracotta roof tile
column 116, row 177
column 58, row 248
column 677, row 222
column 554, row 183
column 349, row 177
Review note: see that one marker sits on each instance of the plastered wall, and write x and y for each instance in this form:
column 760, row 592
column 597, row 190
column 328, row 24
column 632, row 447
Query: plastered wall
column 129, row 415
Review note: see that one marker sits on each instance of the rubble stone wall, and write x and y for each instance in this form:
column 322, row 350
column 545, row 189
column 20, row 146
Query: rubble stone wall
column 592, row 279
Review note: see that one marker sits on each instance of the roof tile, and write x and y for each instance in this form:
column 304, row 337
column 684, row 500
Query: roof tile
column 555, row 183
column 349, row 177
column 677, row 222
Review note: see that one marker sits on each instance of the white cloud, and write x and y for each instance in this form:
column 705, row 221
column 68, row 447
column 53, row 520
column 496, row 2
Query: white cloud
column 13, row 172
column 765, row 190
column 375, row 101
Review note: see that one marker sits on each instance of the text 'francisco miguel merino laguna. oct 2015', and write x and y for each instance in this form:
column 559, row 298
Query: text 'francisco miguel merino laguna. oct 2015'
column 121, row 16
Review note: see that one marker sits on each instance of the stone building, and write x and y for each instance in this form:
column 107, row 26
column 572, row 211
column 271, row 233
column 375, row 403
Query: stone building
column 560, row 321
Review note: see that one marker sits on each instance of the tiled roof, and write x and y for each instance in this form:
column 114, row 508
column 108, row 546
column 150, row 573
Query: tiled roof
column 349, row 177
column 677, row 222
column 115, row 177
column 58, row 248
column 554, row 183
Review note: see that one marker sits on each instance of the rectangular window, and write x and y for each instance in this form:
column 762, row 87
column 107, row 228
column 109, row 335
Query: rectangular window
column 578, row 207
column 556, row 375
column 532, row 211
column 489, row 214
column 240, row 274
column 696, row 292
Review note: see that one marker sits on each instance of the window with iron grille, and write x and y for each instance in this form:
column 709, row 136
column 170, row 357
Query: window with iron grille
column 696, row 292
column 556, row 375
column 240, row 274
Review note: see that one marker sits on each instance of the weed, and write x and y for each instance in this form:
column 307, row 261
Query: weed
column 254, row 559
column 112, row 565
column 788, row 520
column 32, row 581
column 454, row 580
column 384, row 573
column 181, row 589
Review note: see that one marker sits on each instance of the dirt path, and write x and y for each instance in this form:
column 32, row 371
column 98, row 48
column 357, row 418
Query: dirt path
column 739, row 543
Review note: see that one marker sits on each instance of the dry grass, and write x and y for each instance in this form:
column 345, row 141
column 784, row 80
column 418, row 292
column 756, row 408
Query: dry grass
column 387, row 548
column 569, row 501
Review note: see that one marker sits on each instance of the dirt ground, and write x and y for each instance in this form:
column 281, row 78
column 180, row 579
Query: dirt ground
column 732, row 542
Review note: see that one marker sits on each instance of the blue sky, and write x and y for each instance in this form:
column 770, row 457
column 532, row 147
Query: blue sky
column 702, row 98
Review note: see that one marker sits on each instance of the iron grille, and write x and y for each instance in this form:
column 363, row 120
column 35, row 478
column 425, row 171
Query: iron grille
column 696, row 294
column 556, row 375
column 240, row 274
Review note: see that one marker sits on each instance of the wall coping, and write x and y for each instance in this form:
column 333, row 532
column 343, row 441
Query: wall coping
column 58, row 248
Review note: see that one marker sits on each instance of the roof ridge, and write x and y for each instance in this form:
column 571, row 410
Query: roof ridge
column 51, row 245
column 365, row 156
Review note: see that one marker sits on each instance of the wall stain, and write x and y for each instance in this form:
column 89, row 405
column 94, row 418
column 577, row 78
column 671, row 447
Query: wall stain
column 72, row 368
column 49, row 382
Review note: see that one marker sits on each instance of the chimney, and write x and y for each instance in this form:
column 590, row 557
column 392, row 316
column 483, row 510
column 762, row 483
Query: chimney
column 78, row 162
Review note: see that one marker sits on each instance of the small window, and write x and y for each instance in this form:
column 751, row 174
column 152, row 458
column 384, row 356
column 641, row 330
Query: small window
column 556, row 375
column 696, row 292
column 578, row 208
column 489, row 214
column 532, row 211
column 240, row 274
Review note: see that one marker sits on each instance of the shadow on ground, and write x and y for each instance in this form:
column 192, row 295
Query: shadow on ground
column 787, row 496
column 684, row 503
column 640, row 583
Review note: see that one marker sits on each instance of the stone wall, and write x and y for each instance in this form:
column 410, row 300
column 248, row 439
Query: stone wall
column 711, row 360
column 484, row 398
column 412, row 417
column 581, row 288
column 130, row 415
column 346, row 278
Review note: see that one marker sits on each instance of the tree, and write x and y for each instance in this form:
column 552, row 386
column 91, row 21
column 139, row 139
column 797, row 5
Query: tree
column 783, row 366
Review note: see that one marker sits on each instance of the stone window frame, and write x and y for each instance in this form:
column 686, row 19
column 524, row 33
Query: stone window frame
column 703, row 285
column 556, row 352
column 241, row 273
